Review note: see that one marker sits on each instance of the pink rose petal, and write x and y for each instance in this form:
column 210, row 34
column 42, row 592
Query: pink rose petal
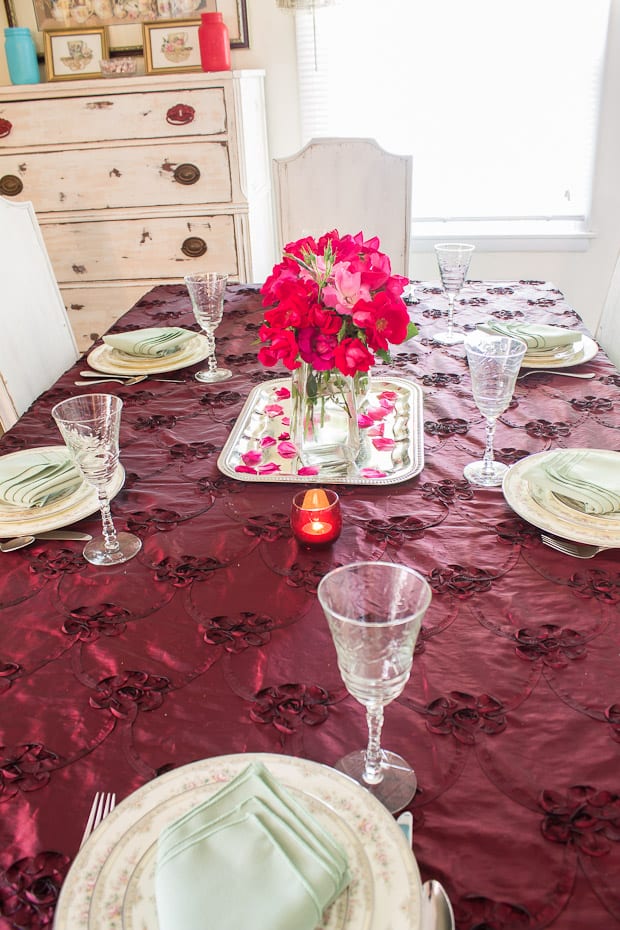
column 246, row 469
column 377, row 430
column 284, row 436
column 268, row 469
column 388, row 395
column 308, row 470
column 251, row 458
column 364, row 421
column 286, row 421
column 283, row 393
column 377, row 413
column 267, row 441
column 372, row 473
column 287, row 450
column 382, row 444
column 274, row 410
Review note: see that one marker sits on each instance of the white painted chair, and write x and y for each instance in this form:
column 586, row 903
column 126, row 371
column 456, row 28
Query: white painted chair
column 36, row 340
column 608, row 331
column 351, row 185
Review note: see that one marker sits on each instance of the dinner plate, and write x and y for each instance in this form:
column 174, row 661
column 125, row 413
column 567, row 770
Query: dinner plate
column 112, row 362
column 550, row 513
column 21, row 521
column 581, row 352
column 110, row 885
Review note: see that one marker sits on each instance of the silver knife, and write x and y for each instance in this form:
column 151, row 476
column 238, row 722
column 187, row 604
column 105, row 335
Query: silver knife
column 63, row 534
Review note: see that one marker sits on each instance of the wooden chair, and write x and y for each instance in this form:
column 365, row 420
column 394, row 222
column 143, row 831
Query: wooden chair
column 36, row 340
column 608, row 331
column 351, row 185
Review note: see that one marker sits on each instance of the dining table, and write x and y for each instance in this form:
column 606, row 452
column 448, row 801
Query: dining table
column 211, row 641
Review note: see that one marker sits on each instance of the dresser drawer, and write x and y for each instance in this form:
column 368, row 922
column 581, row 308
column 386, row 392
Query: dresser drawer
column 109, row 116
column 156, row 248
column 92, row 310
column 163, row 174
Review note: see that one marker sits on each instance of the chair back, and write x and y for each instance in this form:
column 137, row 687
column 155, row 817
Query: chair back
column 351, row 185
column 608, row 331
column 36, row 340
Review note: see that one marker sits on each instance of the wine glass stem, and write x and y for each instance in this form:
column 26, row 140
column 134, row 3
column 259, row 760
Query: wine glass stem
column 488, row 450
column 212, row 359
column 372, row 774
column 450, row 313
column 109, row 532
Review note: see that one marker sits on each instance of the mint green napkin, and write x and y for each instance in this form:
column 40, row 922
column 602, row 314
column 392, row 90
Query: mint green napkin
column 250, row 856
column 156, row 342
column 588, row 482
column 33, row 479
column 539, row 337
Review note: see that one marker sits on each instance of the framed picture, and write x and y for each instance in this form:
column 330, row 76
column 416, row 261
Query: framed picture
column 171, row 46
column 71, row 54
column 84, row 14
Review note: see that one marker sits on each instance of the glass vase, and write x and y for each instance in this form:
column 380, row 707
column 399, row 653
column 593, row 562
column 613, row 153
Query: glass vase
column 324, row 424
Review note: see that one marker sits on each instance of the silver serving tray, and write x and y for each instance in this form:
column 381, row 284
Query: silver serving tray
column 404, row 424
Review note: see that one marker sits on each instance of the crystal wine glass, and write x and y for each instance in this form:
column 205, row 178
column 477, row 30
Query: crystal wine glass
column 90, row 425
column 206, row 292
column 374, row 611
column 453, row 259
column 494, row 363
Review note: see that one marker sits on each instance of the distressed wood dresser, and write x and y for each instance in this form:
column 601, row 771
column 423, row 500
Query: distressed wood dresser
column 138, row 181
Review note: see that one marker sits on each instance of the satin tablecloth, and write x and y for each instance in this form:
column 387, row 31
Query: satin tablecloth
column 212, row 641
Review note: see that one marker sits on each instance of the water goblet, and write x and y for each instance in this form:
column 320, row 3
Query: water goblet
column 374, row 611
column 90, row 425
column 206, row 291
column 453, row 259
column 494, row 363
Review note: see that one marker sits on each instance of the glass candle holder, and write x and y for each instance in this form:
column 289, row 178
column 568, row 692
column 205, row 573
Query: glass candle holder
column 316, row 519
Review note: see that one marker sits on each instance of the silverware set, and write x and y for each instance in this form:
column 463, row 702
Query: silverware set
column 100, row 377
column 20, row 542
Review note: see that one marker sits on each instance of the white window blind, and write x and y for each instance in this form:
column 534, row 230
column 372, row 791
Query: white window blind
column 497, row 100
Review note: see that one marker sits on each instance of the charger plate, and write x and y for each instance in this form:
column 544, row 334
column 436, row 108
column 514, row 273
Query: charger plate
column 113, row 362
column 110, row 885
column 258, row 421
column 550, row 513
column 21, row 521
column 583, row 351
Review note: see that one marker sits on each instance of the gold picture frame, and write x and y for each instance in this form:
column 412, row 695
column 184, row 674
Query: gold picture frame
column 71, row 54
column 171, row 45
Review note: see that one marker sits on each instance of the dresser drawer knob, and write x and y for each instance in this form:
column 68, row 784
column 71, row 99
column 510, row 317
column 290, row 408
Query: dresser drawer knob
column 194, row 247
column 186, row 174
column 5, row 128
column 180, row 114
column 11, row 185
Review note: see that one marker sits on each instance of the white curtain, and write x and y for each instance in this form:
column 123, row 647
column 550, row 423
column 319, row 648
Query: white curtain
column 497, row 100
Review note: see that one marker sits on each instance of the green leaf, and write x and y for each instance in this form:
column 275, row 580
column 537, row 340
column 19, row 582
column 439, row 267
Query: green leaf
column 384, row 354
column 412, row 330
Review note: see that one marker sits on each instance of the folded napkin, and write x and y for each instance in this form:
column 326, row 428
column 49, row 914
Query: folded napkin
column 248, row 857
column 33, row 479
column 156, row 342
column 537, row 336
column 588, row 482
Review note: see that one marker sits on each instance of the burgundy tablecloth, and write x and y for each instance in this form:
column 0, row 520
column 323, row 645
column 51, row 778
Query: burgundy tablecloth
column 211, row 641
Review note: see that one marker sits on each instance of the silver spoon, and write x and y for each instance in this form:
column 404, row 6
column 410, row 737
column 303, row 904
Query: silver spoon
column 564, row 374
column 18, row 543
column 437, row 913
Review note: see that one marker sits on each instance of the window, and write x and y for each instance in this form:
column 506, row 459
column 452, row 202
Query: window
column 497, row 101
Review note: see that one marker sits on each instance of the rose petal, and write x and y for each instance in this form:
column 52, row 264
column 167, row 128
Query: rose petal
column 246, row 469
column 274, row 410
column 286, row 421
column 372, row 473
column 283, row 393
column 381, row 444
column 364, row 421
column 287, row 450
column 377, row 413
column 251, row 458
column 308, row 470
column 268, row 469
column 267, row 441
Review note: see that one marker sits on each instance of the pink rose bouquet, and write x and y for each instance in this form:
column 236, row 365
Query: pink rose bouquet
column 333, row 303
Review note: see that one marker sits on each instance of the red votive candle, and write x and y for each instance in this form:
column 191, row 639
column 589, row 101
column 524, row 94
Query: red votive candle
column 315, row 517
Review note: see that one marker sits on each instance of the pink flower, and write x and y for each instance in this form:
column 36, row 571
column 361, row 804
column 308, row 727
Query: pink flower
column 346, row 290
column 283, row 348
column 317, row 348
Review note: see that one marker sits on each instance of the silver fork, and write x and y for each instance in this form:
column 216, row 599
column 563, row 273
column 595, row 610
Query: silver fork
column 102, row 804
column 587, row 376
column 577, row 550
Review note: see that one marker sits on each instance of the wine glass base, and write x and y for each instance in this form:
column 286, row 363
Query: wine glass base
column 96, row 553
column 210, row 377
column 448, row 339
column 399, row 782
column 485, row 476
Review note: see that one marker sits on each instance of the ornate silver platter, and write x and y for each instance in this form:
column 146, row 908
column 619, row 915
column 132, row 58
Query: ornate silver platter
column 392, row 437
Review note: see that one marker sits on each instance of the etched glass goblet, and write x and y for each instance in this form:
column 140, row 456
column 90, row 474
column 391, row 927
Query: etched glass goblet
column 453, row 259
column 374, row 611
column 90, row 425
column 206, row 291
column 494, row 363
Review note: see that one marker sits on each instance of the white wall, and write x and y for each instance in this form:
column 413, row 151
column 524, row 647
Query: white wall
column 584, row 277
